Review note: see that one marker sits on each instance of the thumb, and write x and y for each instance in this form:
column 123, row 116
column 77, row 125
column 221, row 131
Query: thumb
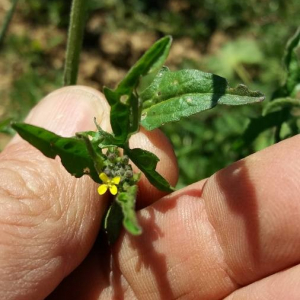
column 48, row 219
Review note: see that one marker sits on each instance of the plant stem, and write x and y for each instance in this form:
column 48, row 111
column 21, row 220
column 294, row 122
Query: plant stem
column 7, row 19
column 75, row 37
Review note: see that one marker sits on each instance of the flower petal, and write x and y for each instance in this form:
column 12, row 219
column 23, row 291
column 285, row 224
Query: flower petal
column 113, row 189
column 116, row 180
column 102, row 189
column 104, row 177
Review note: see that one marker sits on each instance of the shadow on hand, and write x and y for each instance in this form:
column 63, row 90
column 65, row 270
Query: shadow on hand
column 100, row 276
column 240, row 195
column 144, row 245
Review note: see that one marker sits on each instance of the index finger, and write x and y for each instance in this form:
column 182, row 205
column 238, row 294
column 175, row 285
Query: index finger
column 254, row 206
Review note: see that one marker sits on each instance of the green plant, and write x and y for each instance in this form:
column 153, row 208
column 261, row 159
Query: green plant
column 280, row 115
column 75, row 37
column 149, row 95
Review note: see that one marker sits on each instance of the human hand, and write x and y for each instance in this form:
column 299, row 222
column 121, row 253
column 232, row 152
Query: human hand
column 238, row 228
column 49, row 220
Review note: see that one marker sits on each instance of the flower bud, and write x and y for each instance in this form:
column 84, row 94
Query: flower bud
column 125, row 159
column 111, row 157
column 128, row 174
column 108, row 172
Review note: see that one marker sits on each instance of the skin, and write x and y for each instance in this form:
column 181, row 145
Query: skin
column 234, row 235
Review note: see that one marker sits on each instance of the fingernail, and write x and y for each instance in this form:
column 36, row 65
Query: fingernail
column 69, row 110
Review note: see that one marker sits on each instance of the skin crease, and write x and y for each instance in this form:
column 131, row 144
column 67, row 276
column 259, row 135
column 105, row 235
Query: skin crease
column 232, row 236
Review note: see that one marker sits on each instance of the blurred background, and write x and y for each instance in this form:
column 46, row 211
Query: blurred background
column 243, row 42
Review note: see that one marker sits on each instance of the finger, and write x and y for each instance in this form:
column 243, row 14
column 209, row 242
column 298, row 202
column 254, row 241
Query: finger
column 177, row 255
column 254, row 206
column 282, row 285
column 243, row 226
column 48, row 219
column 159, row 264
column 156, row 142
column 99, row 263
column 99, row 284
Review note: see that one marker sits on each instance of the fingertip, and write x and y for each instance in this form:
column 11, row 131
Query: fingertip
column 69, row 110
column 45, row 207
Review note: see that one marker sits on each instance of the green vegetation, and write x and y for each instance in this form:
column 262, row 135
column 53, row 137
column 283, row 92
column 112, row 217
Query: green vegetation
column 149, row 95
column 241, row 42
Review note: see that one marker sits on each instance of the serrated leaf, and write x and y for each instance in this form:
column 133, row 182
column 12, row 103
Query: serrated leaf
column 146, row 162
column 125, row 106
column 113, row 222
column 72, row 151
column 127, row 202
column 174, row 95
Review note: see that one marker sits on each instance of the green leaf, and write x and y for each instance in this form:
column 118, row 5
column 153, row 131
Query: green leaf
column 280, row 103
column 113, row 222
column 93, row 151
column 120, row 116
column 101, row 139
column 125, row 107
column 174, row 95
column 111, row 96
column 72, row 151
column 150, row 62
column 292, row 63
column 127, row 202
column 125, row 117
column 146, row 162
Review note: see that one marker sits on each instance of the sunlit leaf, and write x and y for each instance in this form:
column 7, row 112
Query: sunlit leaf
column 174, row 95
column 125, row 105
column 72, row 151
column 146, row 162
column 127, row 202
column 150, row 62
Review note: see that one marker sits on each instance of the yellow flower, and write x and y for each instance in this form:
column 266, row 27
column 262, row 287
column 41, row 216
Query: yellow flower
column 108, row 183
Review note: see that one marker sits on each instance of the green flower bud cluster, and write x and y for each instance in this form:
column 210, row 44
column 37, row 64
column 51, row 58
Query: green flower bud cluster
column 118, row 165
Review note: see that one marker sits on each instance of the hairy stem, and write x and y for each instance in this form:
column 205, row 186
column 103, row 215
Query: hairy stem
column 75, row 37
column 7, row 20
